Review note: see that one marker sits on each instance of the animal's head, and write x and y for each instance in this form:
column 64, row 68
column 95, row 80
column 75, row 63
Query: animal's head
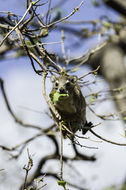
column 64, row 84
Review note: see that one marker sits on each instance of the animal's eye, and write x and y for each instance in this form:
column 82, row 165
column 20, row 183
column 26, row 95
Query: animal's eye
column 68, row 84
column 56, row 84
column 72, row 80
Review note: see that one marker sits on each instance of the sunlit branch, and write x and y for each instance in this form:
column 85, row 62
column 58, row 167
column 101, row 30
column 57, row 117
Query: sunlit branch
column 30, row 5
column 76, row 9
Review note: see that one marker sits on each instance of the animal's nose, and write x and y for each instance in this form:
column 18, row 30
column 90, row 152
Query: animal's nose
column 62, row 90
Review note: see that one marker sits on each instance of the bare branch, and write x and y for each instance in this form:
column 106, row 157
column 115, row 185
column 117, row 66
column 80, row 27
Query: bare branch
column 91, row 72
column 100, row 137
column 30, row 5
column 27, row 168
column 11, row 111
column 76, row 9
column 83, row 59
column 61, row 153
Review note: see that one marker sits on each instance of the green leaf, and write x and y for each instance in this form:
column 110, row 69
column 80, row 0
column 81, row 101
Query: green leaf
column 92, row 99
column 28, row 42
column 31, row 162
column 61, row 183
column 51, row 95
column 56, row 95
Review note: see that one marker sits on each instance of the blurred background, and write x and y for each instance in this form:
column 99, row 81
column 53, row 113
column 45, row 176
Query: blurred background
column 24, row 92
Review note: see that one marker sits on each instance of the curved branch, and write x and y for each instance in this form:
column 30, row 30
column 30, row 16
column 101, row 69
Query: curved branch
column 82, row 156
column 112, row 142
column 11, row 111
column 68, row 16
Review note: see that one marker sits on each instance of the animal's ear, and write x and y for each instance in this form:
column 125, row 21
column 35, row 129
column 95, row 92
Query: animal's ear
column 53, row 78
column 73, row 78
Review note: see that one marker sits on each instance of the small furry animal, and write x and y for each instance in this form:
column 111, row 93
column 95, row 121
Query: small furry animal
column 70, row 103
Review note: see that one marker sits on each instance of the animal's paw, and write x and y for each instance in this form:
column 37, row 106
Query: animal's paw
column 88, row 126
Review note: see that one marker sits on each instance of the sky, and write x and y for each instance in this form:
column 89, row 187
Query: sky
column 23, row 87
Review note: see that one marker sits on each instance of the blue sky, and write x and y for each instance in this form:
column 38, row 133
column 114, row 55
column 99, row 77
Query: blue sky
column 87, row 12
column 24, row 88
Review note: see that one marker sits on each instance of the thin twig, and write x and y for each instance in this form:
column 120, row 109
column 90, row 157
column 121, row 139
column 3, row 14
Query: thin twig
column 52, row 108
column 37, row 60
column 100, row 137
column 56, row 65
column 62, row 44
column 91, row 72
column 46, row 43
column 65, row 18
column 29, row 52
column 31, row 4
column 6, row 100
column 78, row 143
column 54, row 175
column 6, row 26
column 27, row 169
column 83, row 59
column 61, row 153
column 11, row 111
column 93, row 22
column 23, row 143
column 48, row 12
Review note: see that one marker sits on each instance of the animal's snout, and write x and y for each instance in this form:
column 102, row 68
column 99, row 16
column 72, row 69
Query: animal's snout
column 62, row 91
